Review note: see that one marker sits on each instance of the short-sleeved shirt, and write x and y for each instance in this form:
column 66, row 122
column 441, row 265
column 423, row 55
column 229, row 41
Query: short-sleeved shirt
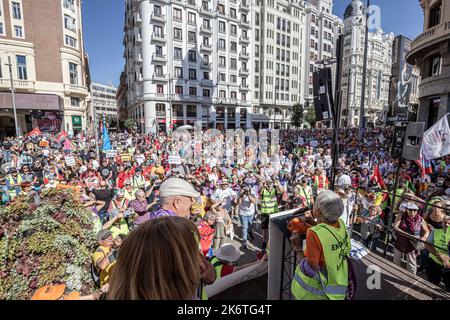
column 98, row 255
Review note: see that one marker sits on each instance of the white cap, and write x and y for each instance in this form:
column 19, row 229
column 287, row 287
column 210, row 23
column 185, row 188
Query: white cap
column 411, row 206
column 177, row 187
column 227, row 253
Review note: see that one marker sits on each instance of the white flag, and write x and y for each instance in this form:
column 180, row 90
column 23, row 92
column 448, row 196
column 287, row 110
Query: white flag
column 436, row 140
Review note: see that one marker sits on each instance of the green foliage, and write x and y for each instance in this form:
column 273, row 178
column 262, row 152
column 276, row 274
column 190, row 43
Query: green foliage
column 129, row 124
column 297, row 115
column 45, row 245
column 311, row 117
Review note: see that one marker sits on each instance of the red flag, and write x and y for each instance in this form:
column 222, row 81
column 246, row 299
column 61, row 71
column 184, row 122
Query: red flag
column 377, row 177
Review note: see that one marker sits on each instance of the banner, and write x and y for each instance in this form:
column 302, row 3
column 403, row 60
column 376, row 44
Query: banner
column 313, row 143
column 125, row 157
column 174, row 160
column 301, row 140
column 70, row 161
column 111, row 153
column 436, row 140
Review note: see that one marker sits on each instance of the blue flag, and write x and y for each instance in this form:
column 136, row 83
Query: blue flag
column 105, row 136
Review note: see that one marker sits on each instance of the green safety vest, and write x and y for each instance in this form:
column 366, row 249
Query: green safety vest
column 331, row 283
column 398, row 195
column 269, row 203
column 441, row 239
column 217, row 266
column 13, row 192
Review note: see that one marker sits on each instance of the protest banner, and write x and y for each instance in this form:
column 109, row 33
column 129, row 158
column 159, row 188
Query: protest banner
column 70, row 161
column 174, row 160
column 125, row 157
column 313, row 143
column 111, row 153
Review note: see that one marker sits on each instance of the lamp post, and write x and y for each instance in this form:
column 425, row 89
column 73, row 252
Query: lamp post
column 13, row 96
column 363, row 87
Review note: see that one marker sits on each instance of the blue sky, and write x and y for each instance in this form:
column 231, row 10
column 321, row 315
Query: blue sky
column 103, row 30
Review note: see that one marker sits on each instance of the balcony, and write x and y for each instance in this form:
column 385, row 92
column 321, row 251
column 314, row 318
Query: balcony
column 138, row 19
column 159, row 57
column 206, row 29
column 191, row 3
column 244, row 72
column 207, row 83
column 244, row 7
column 244, row 56
column 158, row 37
column 75, row 90
column 245, row 23
column 205, row 47
column 139, row 58
column 19, row 85
column 138, row 39
column 243, row 87
column 206, row 11
column 159, row 77
column 433, row 36
column 206, row 65
column 244, row 39
column 158, row 17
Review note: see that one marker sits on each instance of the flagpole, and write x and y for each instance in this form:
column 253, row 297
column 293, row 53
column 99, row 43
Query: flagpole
column 96, row 134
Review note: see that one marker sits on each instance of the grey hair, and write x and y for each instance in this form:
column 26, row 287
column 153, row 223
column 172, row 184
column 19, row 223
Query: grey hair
column 140, row 193
column 166, row 200
column 330, row 206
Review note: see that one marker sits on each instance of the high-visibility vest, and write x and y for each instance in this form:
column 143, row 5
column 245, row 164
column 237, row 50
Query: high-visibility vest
column 217, row 266
column 441, row 239
column 13, row 192
column 332, row 283
column 320, row 182
column 269, row 203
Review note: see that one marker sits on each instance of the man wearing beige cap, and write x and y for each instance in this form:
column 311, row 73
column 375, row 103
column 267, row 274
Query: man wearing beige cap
column 177, row 196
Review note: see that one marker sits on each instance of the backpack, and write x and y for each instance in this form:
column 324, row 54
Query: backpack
column 95, row 273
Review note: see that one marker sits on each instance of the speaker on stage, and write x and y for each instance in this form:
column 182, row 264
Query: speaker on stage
column 323, row 94
column 413, row 140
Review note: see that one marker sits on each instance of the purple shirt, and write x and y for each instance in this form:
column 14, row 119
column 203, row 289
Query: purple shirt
column 162, row 213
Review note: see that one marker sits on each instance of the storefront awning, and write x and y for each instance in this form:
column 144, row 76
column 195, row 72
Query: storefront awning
column 30, row 101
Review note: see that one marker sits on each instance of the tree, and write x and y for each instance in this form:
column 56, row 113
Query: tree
column 311, row 117
column 129, row 124
column 297, row 115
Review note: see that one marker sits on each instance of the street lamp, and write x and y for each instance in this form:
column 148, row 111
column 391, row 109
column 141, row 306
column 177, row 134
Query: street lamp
column 9, row 64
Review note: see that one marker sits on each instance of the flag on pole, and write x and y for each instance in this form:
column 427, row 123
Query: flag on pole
column 436, row 140
column 378, row 178
column 68, row 145
column 105, row 136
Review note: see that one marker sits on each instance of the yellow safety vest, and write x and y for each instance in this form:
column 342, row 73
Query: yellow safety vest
column 332, row 283
column 269, row 203
column 13, row 192
column 441, row 239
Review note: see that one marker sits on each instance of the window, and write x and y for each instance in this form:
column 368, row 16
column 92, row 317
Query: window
column 160, row 89
column 70, row 41
column 177, row 34
column 222, row 94
column 1, row 28
column 206, row 76
column 192, row 91
column 177, row 110
column 74, row 102
column 17, row 14
column 177, row 15
column 69, row 23
column 178, row 53
column 157, row 11
column 206, row 93
column 159, row 51
column 158, row 31
column 192, row 37
column 435, row 65
column 222, row 77
column 178, row 72
column 178, row 89
column 222, row 61
column 69, row 4
column 192, row 74
column 233, row 30
column 435, row 15
column 192, row 18
column 222, row 26
column 73, row 71
column 192, row 57
column 233, row 13
column 233, row 46
column 233, row 64
column 18, row 32
column 221, row 8
column 221, row 44
column 159, row 71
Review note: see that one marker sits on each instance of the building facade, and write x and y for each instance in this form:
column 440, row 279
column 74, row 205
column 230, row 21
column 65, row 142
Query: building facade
column 43, row 40
column 405, row 80
column 379, row 68
column 104, row 101
column 188, row 61
column 430, row 51
column 279, row 52
column 122, row 100
column 323, row 29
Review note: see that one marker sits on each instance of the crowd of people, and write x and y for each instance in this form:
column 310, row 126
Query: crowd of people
column 214, row 202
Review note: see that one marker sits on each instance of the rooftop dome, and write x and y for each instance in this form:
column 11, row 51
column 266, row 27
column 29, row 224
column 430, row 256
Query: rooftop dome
column 355, row 8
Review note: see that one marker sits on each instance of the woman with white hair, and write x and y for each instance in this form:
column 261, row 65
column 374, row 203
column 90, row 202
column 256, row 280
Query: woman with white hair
column 322, row 273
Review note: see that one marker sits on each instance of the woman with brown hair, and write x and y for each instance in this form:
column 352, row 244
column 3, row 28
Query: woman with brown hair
column 159, row 260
